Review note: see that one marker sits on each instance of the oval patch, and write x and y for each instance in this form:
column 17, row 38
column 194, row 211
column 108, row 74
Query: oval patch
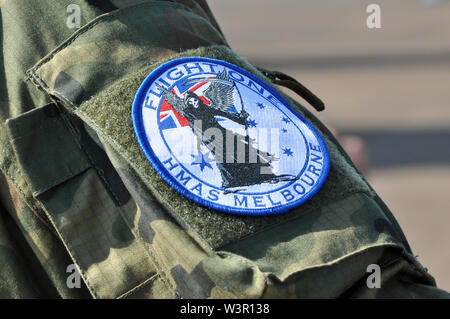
column 226, row 140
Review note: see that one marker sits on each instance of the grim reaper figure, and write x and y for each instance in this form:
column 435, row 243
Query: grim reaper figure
column 237, row 169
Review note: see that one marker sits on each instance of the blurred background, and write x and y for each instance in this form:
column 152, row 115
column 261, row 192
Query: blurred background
column 388, row 88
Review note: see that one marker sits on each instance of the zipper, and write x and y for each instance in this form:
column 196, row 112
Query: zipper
column 279, row 78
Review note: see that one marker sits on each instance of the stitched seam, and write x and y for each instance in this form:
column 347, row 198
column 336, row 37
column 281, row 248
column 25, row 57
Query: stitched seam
column 139, row 286
column 101, row 176
column 55, row 182
column 64, row 98
column 99, row 19
column 69, row 42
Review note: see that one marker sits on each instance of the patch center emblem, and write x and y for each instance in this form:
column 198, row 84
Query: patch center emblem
column 226, row 140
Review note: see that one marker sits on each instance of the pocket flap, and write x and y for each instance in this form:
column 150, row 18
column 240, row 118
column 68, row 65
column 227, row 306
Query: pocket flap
column 40, row 136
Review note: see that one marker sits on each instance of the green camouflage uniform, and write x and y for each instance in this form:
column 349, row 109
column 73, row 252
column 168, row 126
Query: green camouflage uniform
column 75, row 187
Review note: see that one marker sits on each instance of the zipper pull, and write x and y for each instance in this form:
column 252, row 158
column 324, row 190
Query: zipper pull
column 279, row 78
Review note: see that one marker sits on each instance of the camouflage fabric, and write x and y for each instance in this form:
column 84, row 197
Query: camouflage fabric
column 75, row 188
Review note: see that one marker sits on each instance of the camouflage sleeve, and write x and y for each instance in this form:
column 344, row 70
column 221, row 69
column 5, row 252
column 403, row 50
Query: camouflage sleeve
column 33, row 260
column 15, row 279
column 78, row 193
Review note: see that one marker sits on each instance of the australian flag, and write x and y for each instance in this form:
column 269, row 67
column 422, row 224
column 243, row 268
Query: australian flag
column 169, row 118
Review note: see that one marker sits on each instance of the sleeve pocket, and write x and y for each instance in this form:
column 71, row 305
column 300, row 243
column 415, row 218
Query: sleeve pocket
column 109, row 256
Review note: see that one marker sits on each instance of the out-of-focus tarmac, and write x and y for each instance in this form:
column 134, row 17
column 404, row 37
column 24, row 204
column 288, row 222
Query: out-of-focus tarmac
column 390, row 86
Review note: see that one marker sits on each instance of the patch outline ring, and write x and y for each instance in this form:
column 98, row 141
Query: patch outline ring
column 157, row 165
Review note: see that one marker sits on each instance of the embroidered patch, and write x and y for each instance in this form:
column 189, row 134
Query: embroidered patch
column 226, row 140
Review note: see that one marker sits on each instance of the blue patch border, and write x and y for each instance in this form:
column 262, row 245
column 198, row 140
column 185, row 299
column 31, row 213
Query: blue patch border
column 136, row 114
